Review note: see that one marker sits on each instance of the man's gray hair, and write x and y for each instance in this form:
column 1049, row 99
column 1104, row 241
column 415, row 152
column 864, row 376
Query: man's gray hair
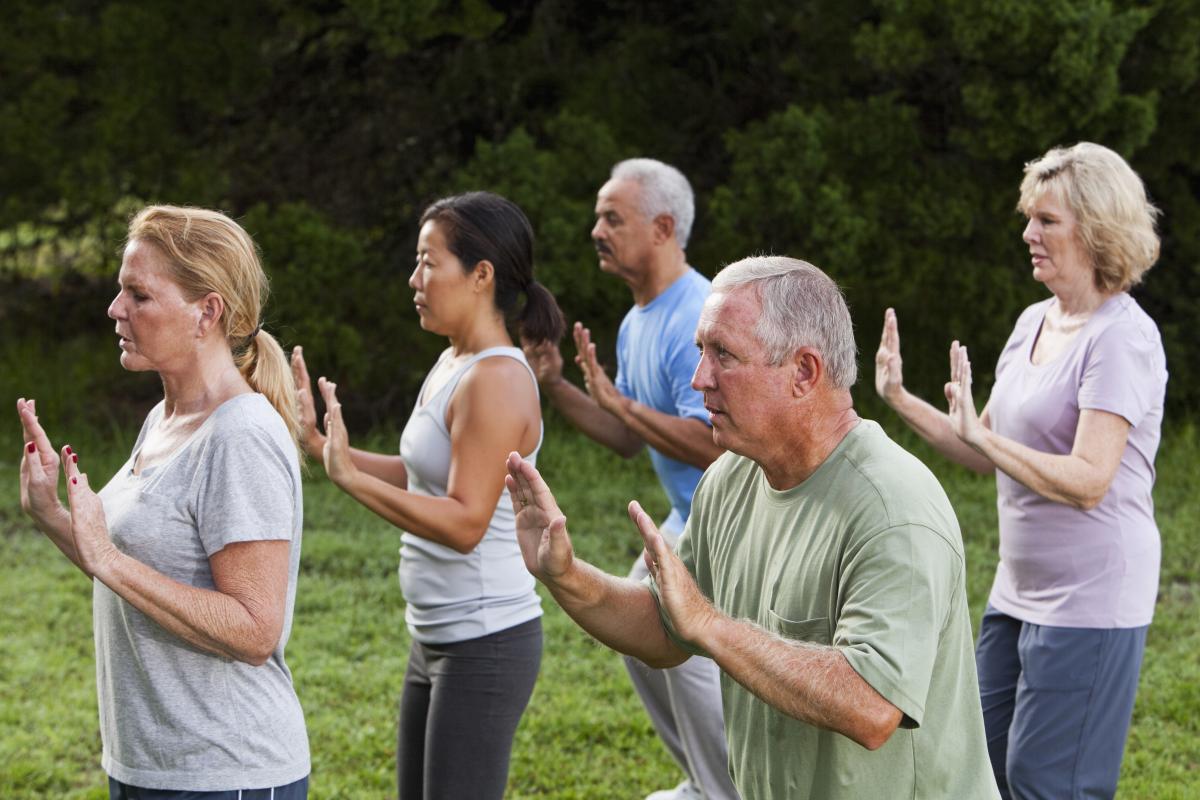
column 664, row 191
column 801, row 307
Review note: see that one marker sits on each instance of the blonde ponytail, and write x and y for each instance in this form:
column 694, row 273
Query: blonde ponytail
column 265, row 366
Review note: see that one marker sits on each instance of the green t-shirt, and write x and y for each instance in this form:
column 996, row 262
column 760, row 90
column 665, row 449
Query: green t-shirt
column 866, row 556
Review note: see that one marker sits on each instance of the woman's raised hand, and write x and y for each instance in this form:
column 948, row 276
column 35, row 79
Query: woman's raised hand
column 889, row 376
column 39, row 470
column 964, row 419
column 336, row 451
column 310, row 437
column 94, row 549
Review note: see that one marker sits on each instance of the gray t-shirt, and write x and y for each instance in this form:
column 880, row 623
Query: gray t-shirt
column 171, row 715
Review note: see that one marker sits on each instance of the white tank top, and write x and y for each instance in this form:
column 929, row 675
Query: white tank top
column 453, row 596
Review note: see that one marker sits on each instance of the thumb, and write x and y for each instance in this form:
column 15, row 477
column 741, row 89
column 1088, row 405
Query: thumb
column 77, row 488
column 561, row 551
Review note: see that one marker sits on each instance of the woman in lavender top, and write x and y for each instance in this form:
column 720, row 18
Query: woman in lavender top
column 1070, row 431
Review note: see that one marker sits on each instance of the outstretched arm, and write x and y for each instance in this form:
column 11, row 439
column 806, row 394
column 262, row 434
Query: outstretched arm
column 684, row 439
column 812, row 683
column 242, row 618
column 619, row 612
column 579, row 407
column 1080, row 478
column 931, row 424
column 482, row 432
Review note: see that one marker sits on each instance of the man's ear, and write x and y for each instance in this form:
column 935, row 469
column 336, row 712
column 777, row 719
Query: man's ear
column 483, row 276
column 212, row 311
column 809, row 369
column 664, row 228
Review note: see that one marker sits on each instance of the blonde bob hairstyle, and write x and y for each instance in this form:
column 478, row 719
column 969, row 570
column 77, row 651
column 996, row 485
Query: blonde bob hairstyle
column 206, row 252
column 1114, row 219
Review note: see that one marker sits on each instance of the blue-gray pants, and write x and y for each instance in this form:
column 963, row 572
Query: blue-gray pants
column 459, row 713
column 292, row 791
column 1056, row 705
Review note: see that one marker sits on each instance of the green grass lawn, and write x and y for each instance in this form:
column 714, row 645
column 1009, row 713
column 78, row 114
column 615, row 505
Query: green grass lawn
column 584, row 735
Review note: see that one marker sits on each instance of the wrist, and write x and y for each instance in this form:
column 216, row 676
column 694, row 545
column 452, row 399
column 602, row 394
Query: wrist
column 896, row 398
column 711, row 631
column 553, row 387
column 622, row 407
column 105, row 565
column 314, row 445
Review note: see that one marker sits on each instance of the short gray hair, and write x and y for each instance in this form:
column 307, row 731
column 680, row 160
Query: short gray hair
column 664, row 191
column 801, row 307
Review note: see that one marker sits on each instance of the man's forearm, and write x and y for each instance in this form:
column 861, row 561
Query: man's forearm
column 684, row 439
column 586, row 414
column 619, row 612
column 813, row 683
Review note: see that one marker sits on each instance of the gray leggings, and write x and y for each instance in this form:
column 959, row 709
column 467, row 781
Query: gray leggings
column 459, row 711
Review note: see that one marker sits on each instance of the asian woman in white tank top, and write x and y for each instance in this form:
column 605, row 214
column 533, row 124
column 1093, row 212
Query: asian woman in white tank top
column 471, row 606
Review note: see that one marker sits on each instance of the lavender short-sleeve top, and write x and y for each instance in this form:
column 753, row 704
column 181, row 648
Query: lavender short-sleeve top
column 1060, row 565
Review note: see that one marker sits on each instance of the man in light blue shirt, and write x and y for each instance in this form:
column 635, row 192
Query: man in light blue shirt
column 643, row 219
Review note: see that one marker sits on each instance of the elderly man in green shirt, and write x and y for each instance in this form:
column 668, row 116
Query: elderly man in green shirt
column 821, row 568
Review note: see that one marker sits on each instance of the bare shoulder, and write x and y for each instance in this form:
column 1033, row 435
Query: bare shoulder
column 499, row 381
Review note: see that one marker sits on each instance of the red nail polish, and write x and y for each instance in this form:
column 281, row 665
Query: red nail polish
column 74, row 480
column 69, row 450
column 74, row 458
column 31, row 447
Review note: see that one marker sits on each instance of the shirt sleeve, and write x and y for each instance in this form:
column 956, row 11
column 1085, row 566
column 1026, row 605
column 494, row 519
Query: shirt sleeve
column 1123, row 374
column 246, row 492
column 899, row 588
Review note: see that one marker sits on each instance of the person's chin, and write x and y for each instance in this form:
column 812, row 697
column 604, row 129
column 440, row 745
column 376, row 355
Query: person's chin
column 131, row 362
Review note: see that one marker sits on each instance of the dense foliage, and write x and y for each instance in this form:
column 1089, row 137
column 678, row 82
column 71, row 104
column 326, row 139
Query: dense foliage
column 881, row 140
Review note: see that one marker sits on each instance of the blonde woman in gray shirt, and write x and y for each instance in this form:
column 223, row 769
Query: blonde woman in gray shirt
column 194, row 545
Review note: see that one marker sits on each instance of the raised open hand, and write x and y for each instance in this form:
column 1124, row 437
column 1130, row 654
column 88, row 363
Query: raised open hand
column 963, row 417
column 336, row 451
column 541, row 526
column 598, row 384
column 94, row 549
column 889, row 376
column 690, row 611
column 39, row 469
column 546, row 361
column 310, row 436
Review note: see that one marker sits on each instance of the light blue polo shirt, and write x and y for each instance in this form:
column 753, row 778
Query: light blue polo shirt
column 656, row 357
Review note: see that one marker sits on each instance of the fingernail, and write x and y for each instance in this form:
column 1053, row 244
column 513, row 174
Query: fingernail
column 74, row 458
column 69, row 450
column 31, row 447
column 74, row 480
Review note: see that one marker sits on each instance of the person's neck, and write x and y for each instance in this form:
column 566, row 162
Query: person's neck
column 479, row 335
column 199, row 388
column 806, row 443
column 666, row 267
column 1079, row 300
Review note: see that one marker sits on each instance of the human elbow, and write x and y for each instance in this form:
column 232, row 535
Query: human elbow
column 663, row 660
column 1090, row 496
column 259, row 649
column 875, row 732
column 469, row 538
column 629, row 450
